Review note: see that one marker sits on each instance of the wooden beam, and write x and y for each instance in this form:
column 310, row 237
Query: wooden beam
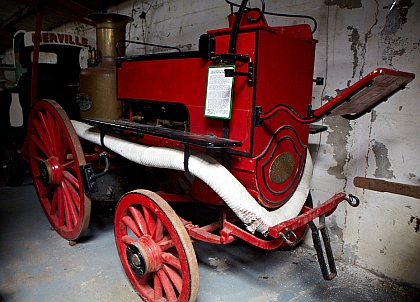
column 18, row 16
column 75, row 7
column 387, row 186
column 57, row 12
column 68, row 16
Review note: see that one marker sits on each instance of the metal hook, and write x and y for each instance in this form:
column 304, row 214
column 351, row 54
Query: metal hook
column 286, row 237
column 352, row 200
column 104, row 155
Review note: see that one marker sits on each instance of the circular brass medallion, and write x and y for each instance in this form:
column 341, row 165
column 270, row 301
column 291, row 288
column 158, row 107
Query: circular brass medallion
column 282, row 168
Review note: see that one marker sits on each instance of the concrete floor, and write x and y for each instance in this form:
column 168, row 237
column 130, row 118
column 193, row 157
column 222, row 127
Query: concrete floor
column 36, row 264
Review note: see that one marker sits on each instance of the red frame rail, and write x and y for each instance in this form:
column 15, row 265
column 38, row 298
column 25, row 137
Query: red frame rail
column 356, row 100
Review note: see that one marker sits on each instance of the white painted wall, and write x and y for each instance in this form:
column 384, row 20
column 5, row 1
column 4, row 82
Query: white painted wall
column 355, row 37
column 381, row 235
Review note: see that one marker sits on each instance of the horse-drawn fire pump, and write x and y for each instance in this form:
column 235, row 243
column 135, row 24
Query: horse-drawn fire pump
column 226, row 126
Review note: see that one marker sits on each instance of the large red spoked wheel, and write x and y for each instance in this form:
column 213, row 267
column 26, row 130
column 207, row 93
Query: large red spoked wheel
column 55, row 155
column 155, row 249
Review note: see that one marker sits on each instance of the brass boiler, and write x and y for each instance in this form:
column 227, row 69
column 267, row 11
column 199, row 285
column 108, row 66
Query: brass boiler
column 98, row 85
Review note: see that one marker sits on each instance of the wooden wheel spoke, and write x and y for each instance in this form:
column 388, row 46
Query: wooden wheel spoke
column 128, row 240
column 54, row 202
column 64, row 147
column 150, row 219
column 68, row 165
column 47, row 191
column 51, row 125
column 157, row 286
column 48, row 130
column 67, row 211
column 143, row 280
column 70, row 203
column 74, row 195
column 170, row 259
column 167, row 285
column 174, row 276
column 43, row 137
column 39, row 144
column 129, row 222
column 139, row 219
column 59, row 135
column 166, row 243
column 73, row 180
column 60, row 199
column 159, row 229
column 38, row 158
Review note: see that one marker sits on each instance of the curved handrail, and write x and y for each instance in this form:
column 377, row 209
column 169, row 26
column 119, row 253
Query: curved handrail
column 261, row 14
column 232, row 4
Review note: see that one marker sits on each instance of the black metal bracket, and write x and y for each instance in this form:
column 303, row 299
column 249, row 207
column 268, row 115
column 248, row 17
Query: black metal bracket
column 229, row 58
column 311, row 112
column 89, row 177
column 314, row 129
column 186, row 157
column 88, row 185
column 250, row 74
column 207, row 46
column 256, row 115
column 319, row 81
column 328, row 275
column 102, row 135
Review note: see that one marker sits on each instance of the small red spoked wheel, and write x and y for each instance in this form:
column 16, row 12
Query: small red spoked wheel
column 155, row 249
column 55, row 155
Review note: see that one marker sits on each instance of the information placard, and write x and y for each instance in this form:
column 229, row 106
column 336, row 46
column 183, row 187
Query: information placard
column 219, row 92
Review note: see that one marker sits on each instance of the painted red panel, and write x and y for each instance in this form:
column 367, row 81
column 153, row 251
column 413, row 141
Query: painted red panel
column 284, row 76
column 283, row 60
column 183, row 80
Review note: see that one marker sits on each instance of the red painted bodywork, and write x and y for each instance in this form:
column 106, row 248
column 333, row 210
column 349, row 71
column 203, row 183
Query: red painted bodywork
column 275, row 52
column 270, row 118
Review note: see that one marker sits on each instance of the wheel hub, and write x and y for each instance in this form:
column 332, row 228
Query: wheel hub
column 144, row 256
column 51, row 171
column 138, row 261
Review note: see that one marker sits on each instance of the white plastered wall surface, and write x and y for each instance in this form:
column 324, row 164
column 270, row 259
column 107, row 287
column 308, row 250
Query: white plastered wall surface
column 355, row 37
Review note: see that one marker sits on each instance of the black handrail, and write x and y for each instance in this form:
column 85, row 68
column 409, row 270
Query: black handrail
column 235, row 28
column 144, row 43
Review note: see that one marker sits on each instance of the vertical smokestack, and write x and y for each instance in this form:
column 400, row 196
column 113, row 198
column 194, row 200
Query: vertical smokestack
column 98, row 88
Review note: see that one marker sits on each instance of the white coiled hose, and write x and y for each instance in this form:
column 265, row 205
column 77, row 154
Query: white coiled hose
column 216, row 176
